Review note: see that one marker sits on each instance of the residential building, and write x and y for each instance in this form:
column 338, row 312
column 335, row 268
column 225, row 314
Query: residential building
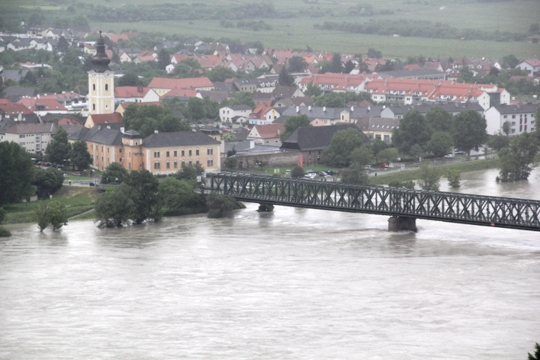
column 266, row 134
column 229, row 113
column 520, row 119
column 163, row 85
column 531, row 66
column 34, row 138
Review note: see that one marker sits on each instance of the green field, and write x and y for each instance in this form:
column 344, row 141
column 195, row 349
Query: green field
column 297, row 31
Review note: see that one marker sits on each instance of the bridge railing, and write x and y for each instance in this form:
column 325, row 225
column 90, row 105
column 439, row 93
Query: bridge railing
column 433, row 205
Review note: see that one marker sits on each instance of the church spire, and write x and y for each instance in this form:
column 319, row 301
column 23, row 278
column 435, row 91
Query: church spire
column 100, row 61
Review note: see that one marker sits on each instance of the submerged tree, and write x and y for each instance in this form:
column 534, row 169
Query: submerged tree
column 219, row 205
column 429, row 178
column 516, row 160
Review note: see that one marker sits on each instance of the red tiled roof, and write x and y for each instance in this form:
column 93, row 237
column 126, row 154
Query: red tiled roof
column 533, row 62
column 180, row 93
column 46, row 104
column 270, row 131
column 130, row 91
column 188, row 83
column 113, row 118
column 9, row 108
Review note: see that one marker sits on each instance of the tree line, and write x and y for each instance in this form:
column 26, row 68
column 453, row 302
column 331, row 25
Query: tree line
column 418, row 28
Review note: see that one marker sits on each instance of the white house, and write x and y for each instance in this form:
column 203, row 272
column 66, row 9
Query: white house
column 227, row 113
column 519, row 117
column 532, row 66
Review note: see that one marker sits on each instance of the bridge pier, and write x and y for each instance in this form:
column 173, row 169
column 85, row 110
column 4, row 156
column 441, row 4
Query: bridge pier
column 402, row 223
column 266, row 207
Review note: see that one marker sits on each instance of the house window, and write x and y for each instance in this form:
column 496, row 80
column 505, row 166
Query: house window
column 209, row 151
column 189, row 152
column 167, row 154
column 183, row 163
column 93, row 106
column 157, row 165
column 175, row 153
column 197, row 162
column 190, row 162
column 183, row 153
column 120, row 150
column 197, row 152
column 156, row 154
column 168, row 165
column 210, row 163
column 175, row 164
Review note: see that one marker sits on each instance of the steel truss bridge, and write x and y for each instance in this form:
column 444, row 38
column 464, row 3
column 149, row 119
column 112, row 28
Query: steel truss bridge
column 395, row 202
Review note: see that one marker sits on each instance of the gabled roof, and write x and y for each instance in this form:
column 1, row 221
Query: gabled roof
column 313, row 138
column 180, row 138
column 99, row 119
column 270, row 131
column 187, row 83
column 533, row 62
column 49, row 128
column 517, row 109
column 130, row 91
column 104, row 134
column 41, row 104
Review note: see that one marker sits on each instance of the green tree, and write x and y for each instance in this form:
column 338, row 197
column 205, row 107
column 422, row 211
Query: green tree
column 47, row 182
column 147, row 119
column 374, row 54
column 130, row 78
column 219, row 205
column 297, row 64
column 412, row 130
column 536, row 354
column 114, row 173
column 454, row 178
column 63, row 44
column 57, row 215
column 114, row 208
column 145, row 196
column 220, row 74
column 313, row 90
column 466, row 75
column 174, row 195
column 439, row 119
column 16, row 173
column 188, row 68
column 429, row 178
column 376, row 146
column 510, row 61
column 41, row 213
column 79, row 155
column 470, row 130
column 336, row 66
column 58, row 149
column 3, row 232
column 230, row 163
column 242, row 98
column 361, row 156
column 297, row 172
column 343, row 143
column 498, row 142
column 189, row 172
column 440, row 143
column 354, row 175
column 293, row 123
column 516, row 160
column 164, row 59
column 285, row 78
column 387, row 155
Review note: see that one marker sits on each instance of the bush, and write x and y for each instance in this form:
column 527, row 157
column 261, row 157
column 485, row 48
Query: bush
column 297, row 172
column 4, row 232
column 219, row 205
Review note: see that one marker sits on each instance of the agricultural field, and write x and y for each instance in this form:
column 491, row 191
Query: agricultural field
column 293, row 23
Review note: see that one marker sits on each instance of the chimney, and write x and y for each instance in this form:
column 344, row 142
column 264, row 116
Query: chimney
column 352, row 108
column 309, row 108
column 297, row 109
column 324, row 108
column 122, row 129
column 368, row 108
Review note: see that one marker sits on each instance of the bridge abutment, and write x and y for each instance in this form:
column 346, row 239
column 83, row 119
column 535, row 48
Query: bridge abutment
column 402, row 223
column 266, row 207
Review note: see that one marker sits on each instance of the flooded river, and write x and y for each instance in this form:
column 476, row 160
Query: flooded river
column 292, row 284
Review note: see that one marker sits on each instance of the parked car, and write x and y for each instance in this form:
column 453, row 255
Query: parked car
column 310, row 175
column 383, row 165
column 367, row 167
column 459, row 152
column 92, row 184
column 330, row 172
column 449, row 156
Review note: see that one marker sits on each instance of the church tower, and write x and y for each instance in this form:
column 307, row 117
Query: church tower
column 100, row 82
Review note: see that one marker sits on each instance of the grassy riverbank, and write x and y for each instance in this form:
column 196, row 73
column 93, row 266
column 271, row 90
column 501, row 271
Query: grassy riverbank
column 408, row 175
column 77, row 200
